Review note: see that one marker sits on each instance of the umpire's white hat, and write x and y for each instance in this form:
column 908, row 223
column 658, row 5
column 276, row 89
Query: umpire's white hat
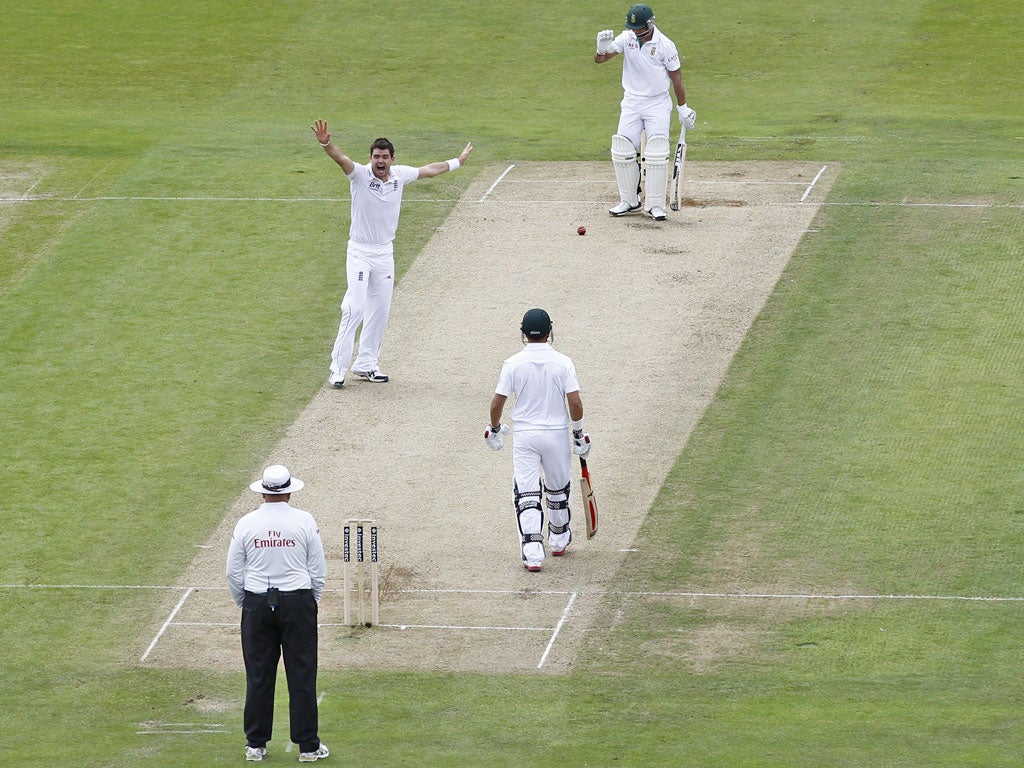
column 277, row 480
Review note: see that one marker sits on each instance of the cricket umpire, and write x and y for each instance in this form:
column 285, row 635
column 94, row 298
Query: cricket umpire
column 276, row 572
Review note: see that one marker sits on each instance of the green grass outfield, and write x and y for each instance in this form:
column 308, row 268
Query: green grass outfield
column 867, row 439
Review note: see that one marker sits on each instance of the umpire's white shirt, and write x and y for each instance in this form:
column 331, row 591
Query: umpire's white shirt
column 645, row 69
column 279, row 546
column 376, row 206
column 540, row 377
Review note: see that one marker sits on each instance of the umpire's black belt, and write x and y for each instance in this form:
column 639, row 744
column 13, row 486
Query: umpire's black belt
column 292, row 592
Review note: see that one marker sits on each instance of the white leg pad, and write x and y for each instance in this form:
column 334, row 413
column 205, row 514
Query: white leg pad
column 656, row 169
column 627, row 169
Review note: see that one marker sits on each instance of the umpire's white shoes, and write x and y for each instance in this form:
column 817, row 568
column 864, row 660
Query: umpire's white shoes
column 623, row 208
column 311, row 757
column 255, row 754
column 375, row 376
column 336, row 380
column 657, row 213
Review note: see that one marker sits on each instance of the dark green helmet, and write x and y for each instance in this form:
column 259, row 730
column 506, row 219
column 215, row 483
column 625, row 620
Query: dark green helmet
column 639, row 16
column 536, row 324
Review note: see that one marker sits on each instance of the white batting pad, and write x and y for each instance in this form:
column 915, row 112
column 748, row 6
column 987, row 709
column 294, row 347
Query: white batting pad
column 656, row 167
column 627, row 169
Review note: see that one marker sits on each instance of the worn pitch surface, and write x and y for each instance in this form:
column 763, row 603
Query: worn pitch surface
column 651, row 313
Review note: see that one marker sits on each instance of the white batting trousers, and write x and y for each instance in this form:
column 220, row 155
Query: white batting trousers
column 537, row 454
column 367, row 301
column 652, row 116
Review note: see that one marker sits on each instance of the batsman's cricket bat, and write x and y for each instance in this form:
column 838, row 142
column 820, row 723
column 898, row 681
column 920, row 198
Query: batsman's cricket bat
column 677, row 170
column 589, row 502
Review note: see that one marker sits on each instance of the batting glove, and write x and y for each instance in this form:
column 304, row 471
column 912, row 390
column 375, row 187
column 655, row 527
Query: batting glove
column 605, row 41
column 580, row 443
column 687, row 116
column 494, row 438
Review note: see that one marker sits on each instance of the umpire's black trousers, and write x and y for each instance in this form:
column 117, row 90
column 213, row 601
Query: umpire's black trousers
column 291, row 629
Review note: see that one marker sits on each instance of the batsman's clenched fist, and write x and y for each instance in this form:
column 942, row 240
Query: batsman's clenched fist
column 605, row 41
column 493, row 436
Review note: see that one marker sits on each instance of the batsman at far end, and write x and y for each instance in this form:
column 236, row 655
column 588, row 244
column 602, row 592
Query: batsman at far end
column 651, row 63
column 543, row 381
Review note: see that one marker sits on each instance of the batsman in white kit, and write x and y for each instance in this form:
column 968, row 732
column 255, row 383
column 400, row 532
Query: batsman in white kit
column 650, row 64
column 370, row 261
column 543, row 382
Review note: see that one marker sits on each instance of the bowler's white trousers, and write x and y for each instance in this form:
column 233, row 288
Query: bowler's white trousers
column 371, row 284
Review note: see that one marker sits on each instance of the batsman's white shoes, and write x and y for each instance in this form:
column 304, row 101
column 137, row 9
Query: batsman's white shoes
column 255, row 754
column 311, row 757
column 375, row 376
column 657, row 213
column 560, row 552
column 336, row 380
column 623, row 208
column 532, row 567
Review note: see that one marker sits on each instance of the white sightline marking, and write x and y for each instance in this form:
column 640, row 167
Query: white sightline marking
column 811, row 186
column 167, row 623
column 558, row 628
column 497, row 182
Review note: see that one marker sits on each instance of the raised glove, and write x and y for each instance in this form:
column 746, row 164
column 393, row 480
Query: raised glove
column 687, row 116
column 494, row 438
column 605, row 41
column 580, row 443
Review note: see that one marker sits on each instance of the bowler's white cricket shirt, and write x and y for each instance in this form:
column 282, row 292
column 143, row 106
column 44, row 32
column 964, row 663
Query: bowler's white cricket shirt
column 377, row 204
column 279, row 546
column 540, row 377
column 645, row 69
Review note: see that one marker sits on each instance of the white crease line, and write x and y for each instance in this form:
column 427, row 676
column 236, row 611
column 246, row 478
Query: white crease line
column 788, row 138
column 180, row 728
column 167, row 623
column 531, row 592
column 811, row 186
column 868, row 204
column 209, row 199
column 454, row 626
column 812, row 596
column 497, row 182
column 558, row 628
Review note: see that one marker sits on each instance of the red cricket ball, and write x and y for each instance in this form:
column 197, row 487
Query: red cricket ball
column 581, row 230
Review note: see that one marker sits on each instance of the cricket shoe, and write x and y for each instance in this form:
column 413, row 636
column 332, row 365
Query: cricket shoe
column 255, row 754
column 532, row 567
column 657, row 213
column 311, row 757
column 560, row 552
column 375, row 376
column 336, row 380
column 623, row 208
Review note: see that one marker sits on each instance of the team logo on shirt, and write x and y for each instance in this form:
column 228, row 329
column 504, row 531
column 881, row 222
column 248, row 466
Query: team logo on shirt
column 653, row 51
